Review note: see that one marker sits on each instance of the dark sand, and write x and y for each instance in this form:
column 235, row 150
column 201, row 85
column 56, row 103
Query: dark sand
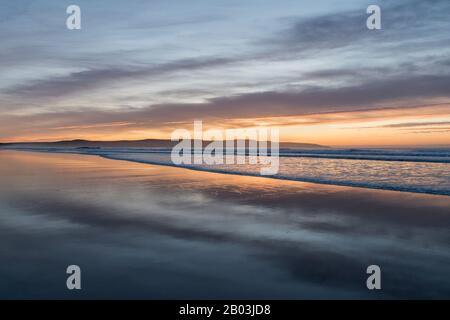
column 145, row 231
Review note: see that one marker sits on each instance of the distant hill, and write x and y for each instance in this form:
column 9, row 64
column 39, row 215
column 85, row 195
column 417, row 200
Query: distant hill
column 147, row 143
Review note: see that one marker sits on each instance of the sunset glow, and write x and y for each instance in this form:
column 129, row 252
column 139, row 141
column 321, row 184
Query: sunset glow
column 117, row 80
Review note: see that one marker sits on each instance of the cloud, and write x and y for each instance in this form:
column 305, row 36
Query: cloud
column 401, row 92
column 381, row 93
column 345, row 68
column 416, row 124
column 94, row 78
column 402, row 22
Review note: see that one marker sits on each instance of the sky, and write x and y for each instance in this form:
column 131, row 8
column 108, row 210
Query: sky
column 140, row 69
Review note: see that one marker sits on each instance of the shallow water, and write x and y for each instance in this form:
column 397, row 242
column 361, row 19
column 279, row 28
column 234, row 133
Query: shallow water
column 411, row 170
column 411, row 176
column 145, row 231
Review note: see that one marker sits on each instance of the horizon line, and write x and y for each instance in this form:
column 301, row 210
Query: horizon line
column 291, row 142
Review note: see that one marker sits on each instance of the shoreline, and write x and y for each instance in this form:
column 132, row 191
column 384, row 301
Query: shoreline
column 162, row 228
column 224, row 172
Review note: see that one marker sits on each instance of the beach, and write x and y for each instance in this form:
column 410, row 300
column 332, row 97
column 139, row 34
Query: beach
column 147, row 231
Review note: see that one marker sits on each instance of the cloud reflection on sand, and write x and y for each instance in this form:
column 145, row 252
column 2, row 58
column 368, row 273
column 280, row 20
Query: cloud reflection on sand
column 159, row 232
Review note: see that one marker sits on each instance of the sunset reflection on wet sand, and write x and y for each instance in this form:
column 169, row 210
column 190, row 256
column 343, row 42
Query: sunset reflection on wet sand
column 146, row 231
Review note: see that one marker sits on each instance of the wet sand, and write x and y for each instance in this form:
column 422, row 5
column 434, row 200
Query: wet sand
column 145, row 231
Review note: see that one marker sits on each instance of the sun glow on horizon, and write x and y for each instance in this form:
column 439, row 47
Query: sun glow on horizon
column 425, row 125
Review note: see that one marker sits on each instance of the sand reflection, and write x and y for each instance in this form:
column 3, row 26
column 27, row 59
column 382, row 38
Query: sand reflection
column 160, row 232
